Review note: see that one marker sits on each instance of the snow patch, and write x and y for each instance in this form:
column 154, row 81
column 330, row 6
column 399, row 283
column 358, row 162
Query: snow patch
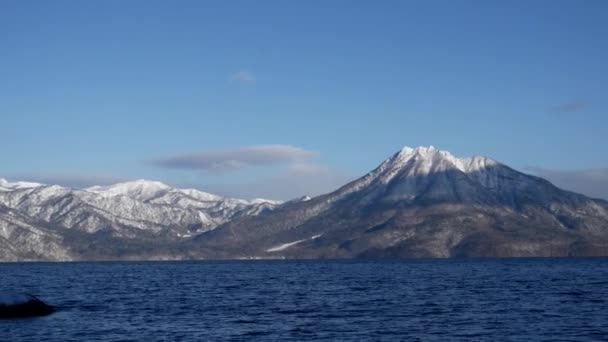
column 263, row 200
column 200, row 195
column 289, row 244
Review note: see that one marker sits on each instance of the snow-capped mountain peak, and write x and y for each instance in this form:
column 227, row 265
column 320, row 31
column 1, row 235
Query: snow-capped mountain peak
column 420, row 154
column 141, row 189
column 426, row 202
column 424, row 160
column 412, row 172
column 18, row 185
column 417, row 161
column 160, row 193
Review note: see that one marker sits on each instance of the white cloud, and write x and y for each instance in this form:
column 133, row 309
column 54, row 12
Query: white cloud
column 237, row 158
column 295, row 172
column 243, row 76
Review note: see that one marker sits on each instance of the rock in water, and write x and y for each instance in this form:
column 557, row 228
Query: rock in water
column 17, row 305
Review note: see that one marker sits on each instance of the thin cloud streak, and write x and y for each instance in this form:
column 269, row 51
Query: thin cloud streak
column 236, row 158
column 591, row 182
column 572, row 107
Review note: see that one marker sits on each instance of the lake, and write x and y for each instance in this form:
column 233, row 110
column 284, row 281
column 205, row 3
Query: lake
column 425, row 300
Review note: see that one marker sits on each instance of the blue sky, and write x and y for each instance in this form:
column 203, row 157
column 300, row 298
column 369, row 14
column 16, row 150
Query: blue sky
column 100, row 91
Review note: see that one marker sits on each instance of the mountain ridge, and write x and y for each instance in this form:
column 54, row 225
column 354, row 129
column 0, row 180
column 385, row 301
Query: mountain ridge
column 410, row 186
column 128, row 211
column 419, row 202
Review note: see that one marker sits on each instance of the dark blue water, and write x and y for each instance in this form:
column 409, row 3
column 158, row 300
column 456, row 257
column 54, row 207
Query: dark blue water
column 427, row 300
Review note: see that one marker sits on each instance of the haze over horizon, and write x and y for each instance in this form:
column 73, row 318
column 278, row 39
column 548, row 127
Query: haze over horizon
column 279, row 100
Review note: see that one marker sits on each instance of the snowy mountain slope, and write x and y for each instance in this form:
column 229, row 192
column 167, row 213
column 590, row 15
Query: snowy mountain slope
column 131, row 210
column 216, row 209
column 22, row 238
column 420, row 202
column 426, row 202
column 140, row 204
column 75, row 209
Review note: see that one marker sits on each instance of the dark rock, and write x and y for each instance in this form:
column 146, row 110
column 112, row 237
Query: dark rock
column 22, row 305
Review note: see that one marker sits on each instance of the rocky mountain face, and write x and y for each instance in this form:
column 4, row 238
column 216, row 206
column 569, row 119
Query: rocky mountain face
column 420, row 202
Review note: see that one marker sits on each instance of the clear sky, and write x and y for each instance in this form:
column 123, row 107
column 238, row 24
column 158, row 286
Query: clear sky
column 283, row 98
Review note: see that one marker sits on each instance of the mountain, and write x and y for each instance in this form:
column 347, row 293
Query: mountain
column 421, row 202
column 122, row 216
column 23, row 238
column 8, row 186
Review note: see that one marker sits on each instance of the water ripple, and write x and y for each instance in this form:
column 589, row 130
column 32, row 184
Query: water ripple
column 424, row 300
